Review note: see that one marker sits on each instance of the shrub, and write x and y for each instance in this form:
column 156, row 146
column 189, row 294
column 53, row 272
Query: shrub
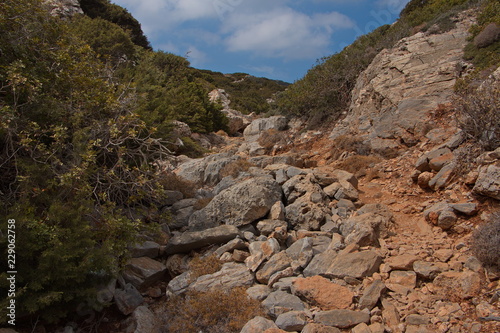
column 200, row 266
column 351, row 144
column 478, row 112
column 485, row 243
column 214, row 311
column 359, row 165
column 272, row 137
column 234, row 169
column 170, row 181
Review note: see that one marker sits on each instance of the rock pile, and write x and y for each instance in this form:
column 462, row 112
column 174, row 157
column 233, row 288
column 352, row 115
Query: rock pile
column 320, row 260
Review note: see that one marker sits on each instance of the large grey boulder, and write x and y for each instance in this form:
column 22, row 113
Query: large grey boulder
column 260, row 125
column 320, row 263
column 238, row 205
column 193, row 240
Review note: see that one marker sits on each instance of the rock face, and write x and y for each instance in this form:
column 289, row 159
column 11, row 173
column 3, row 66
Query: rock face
column 64, row 8
column 394, row 94
column 238, row 205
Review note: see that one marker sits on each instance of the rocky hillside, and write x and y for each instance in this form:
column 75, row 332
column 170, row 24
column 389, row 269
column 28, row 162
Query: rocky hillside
column 386, row 247
column 373, row 224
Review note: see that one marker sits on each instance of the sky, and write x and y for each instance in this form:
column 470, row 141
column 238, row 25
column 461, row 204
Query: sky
column 278, row 39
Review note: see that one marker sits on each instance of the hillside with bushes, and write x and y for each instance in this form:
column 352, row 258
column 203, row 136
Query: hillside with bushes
column 367, row 202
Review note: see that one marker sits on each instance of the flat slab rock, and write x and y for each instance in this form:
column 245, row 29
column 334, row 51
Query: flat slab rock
column 342, row 318
column 323, row 293
column 356, row 265
column 193, row 240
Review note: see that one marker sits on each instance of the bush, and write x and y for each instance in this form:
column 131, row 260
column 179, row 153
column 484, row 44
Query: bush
column 272, row 137
column 199, row 266
column 234, row 169
column 360, row 165
column 485, row 242
column 478, row 112
column 351, row 144
column 213, row 311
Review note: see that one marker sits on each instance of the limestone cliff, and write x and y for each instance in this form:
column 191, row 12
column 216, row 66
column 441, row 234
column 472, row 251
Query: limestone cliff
column 394, row 95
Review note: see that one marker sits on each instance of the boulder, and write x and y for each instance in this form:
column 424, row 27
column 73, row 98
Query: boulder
column 443, row 177
column 266, row 227
column 231, row 275
column 146, row 249
column 364, row 229
column 488, row 181
column 238, row 205
column 143, row 272
column 258, row 325
column 441, row 214
column 128, row 299
column 291, row 321
column 323, row 293
column 276, row 263
column 371, row 295
column 402, row 282
column 260, row 125
column 305, row 214
column 261, row 251
column 259, row 292
column 143, row 320
column 402, row 262
column 342, row 318
column 279, row 302
column 179, row 284
column 235, row 244
column 193, row 240
column 320, row 263
column 355, row 265
column 301, row 252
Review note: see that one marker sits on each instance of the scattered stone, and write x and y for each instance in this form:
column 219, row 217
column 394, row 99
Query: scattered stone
column 429, row 270
column 371, row 295
column 291, row 321
column 416, row 319
column 402, row 262
column 261, row 251
column 276, row 263
column 341, row 318
column 361, row 328
column 266, row 227
column 146, row 249
column 258, row 325
column 320, row 263
column 402, row 281
column 143, row 272
column 319, row 328
column 279, row 302
column 277, row 211
column 322, row 292
column 355, row 265
column 488, row 182
column 231, row 275
column 468, row 209
column 301, row 252
column 464, row 285
column 259, row 292
column 143, row 320
column 193, row 240
column 128, row 299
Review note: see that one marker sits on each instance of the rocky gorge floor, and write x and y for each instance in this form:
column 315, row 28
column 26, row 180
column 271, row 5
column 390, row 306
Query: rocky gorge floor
column 321, row 249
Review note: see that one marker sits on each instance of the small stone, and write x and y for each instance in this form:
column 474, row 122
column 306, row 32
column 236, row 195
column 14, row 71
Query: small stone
column 291, row 321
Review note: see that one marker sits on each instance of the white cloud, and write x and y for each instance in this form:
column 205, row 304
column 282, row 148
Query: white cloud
column 284, row 33
column 195, row 56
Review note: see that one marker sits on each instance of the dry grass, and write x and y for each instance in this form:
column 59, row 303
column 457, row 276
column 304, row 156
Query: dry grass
column 360, row 165
column 351, row 144
column 213, row 311
column 233, row 169
column 270, row 138
column 200, row 266
column 202, row 203
column 172, row 182
column 486, row 242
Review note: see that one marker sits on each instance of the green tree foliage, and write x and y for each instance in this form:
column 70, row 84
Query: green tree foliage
column 247, row 93
column 76, row 163
column 108, row 11
column 169, row 90
column 107, row 39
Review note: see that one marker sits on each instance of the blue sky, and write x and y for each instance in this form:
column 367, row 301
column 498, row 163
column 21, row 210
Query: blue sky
column 278, row 39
